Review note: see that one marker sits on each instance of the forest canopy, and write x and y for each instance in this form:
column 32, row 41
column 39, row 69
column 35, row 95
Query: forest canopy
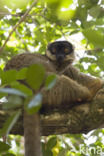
column 29, row 26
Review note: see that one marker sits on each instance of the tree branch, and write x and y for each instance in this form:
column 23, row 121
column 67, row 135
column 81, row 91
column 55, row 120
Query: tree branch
column 19, row 22
column 93, row 50
column 81, row 118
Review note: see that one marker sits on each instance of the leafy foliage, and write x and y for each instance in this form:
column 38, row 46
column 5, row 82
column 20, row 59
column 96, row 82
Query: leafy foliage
column 49, row 20
column 36, row 73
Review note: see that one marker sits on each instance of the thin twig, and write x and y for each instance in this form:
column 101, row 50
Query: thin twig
column 19, row 22
column 93, row 50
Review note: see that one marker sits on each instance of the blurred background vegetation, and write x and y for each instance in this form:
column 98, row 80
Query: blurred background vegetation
column 79, row 21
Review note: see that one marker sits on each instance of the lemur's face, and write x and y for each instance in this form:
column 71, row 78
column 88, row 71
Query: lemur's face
column 60, row 51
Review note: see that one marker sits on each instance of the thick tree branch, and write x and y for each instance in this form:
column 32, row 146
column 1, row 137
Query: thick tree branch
column 81, row 118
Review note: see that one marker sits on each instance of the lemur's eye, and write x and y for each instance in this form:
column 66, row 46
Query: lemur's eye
column 54, row 50
column 66, row 50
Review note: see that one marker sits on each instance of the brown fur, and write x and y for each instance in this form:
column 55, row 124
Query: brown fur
column 71, row 86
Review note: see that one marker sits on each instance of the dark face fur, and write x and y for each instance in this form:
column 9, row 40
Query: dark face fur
column 60, row 51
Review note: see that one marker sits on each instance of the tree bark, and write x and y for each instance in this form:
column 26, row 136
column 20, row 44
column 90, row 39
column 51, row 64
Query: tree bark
column 32, row 134
column 81, row 118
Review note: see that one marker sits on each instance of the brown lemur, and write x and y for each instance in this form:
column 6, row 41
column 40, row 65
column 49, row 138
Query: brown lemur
column 71, row 86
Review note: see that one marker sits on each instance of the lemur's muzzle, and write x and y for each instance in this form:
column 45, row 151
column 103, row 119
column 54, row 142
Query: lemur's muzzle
column 60, row 58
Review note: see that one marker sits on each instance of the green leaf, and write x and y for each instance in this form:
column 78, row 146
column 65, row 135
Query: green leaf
column 1, row 72
column 21, row 74
column 4, row 147
column 12, row 91
column 3, row 94
column 8, row 125
column 21, row 87
column 8, row 76
column 94, row 36
column 66, row 15
column 51, row 143
column 48, row 153
column 34, row 104
column 50, row 81
column 14, row 101
column 95, row 11
column 35, row 76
